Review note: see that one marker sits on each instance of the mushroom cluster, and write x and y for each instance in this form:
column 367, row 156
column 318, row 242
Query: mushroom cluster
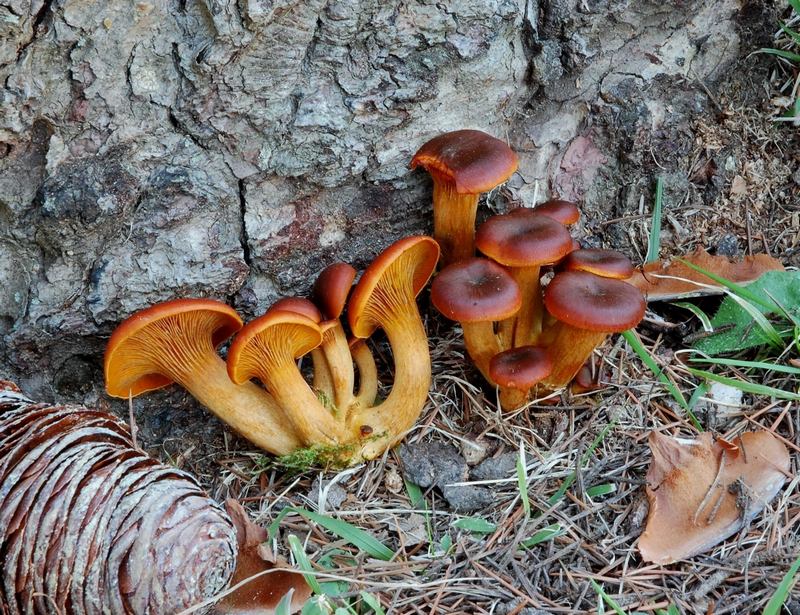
column 176, row 342
column 521, row 335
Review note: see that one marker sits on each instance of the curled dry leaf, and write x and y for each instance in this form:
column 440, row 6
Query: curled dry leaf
column 702, row 491
column 261, row 595
column 649, row 278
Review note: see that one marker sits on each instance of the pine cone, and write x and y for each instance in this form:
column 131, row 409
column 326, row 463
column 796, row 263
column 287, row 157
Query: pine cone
column 89, row 524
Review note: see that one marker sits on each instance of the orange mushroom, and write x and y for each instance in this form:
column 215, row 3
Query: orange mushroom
column 385, row 298
column 517, row 370
column 267, row 348
column 587, row 309
column 175, row 342
column 463, row 164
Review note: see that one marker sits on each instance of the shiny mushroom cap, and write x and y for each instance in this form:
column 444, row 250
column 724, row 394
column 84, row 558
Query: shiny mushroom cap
column 523, row 239
column 298, row 305
column 163, row 338
column 273, row 339
column 521, row 368
column 561, row 211
column 605, row 263
column 397, row 275
column 471, row 160
column 475, row 290
column 332, row 288
column 586, row 301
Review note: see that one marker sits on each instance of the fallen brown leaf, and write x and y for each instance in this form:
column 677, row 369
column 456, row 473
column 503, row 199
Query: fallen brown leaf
column 656, row 288
column 702, row 491
column 261, row 595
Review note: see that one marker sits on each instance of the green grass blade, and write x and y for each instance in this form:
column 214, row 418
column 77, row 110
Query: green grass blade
column 745, row 385
column 635, row 343
column 543, row 535
column 795, row 36
column 789, row 55
column 758, row 317
column 475, row 525
column 701, row 315
column 736, row 289
column 606, row 598
column 522, row 480
column 795, row 4
column 415, row 495
column 654, row 240
column 562, row 490
column 304, row 564
column 773, row 367
column 601, row 490
column 355, row 536
column 372, row 601
column 285, row 605
column 782, row 592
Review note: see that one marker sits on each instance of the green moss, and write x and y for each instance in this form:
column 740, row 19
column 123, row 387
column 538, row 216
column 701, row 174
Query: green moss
column 323, row 456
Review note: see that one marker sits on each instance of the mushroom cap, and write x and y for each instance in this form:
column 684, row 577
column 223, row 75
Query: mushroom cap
column 476, row 290
column 586, row 301
column 605, row 263
column 471, row 160
column 298, row 305
column 411, row 261
column 277, row 334
column 127, row 371
column 564, row 212
column 523, row 239
column 332, row 287
column 521, row 368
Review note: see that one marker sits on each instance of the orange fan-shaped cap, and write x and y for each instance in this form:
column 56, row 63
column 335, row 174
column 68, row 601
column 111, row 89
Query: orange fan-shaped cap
column 404, row 267
column 147, row 345
column 270, row 341
column 471, row 160
column 476, row 290
column 523, row 239
column 605, row 263
column 561, row 211
column 521, row 368
column 298, row 305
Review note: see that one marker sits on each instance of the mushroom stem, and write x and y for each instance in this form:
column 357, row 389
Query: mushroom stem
column 482, row 344
column 511, row 399
column 367, row 374
column 323, row 381
column 412, row 379
column 571, row 348
column 248, row 409
column 453, row 221
column 340, row 365
column 528, row 323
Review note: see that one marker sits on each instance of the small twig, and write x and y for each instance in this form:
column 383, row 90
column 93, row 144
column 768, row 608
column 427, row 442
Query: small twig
column 132, row 420
column 711, row 489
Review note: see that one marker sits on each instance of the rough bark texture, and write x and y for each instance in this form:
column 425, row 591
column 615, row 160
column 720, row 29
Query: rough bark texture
column 150, row 150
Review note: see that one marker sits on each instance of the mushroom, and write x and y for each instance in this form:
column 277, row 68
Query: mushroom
column 330, row 293
column 695, row 489
column 267, row 348
column 175, row 341
column 605, row 263
column 517, row 370
column 385, row 298
column 565, row 212
column 463, row 164
column 367, row 373
column 477, row 292
column 587, row 309
column 523, row 241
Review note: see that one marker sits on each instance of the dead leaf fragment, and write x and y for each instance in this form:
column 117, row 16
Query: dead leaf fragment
column 702, row 491
column 261, row 595
column 651, row 281
column 738, row 186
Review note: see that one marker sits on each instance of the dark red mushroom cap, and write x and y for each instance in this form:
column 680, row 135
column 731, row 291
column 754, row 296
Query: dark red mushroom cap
column 605, row 263
column 332, row 288
column 470, row 159
column 475, row 290
column 521, row 368
column 561, row 211
column 523, row 239
column 586, row 301
column 298, row 305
